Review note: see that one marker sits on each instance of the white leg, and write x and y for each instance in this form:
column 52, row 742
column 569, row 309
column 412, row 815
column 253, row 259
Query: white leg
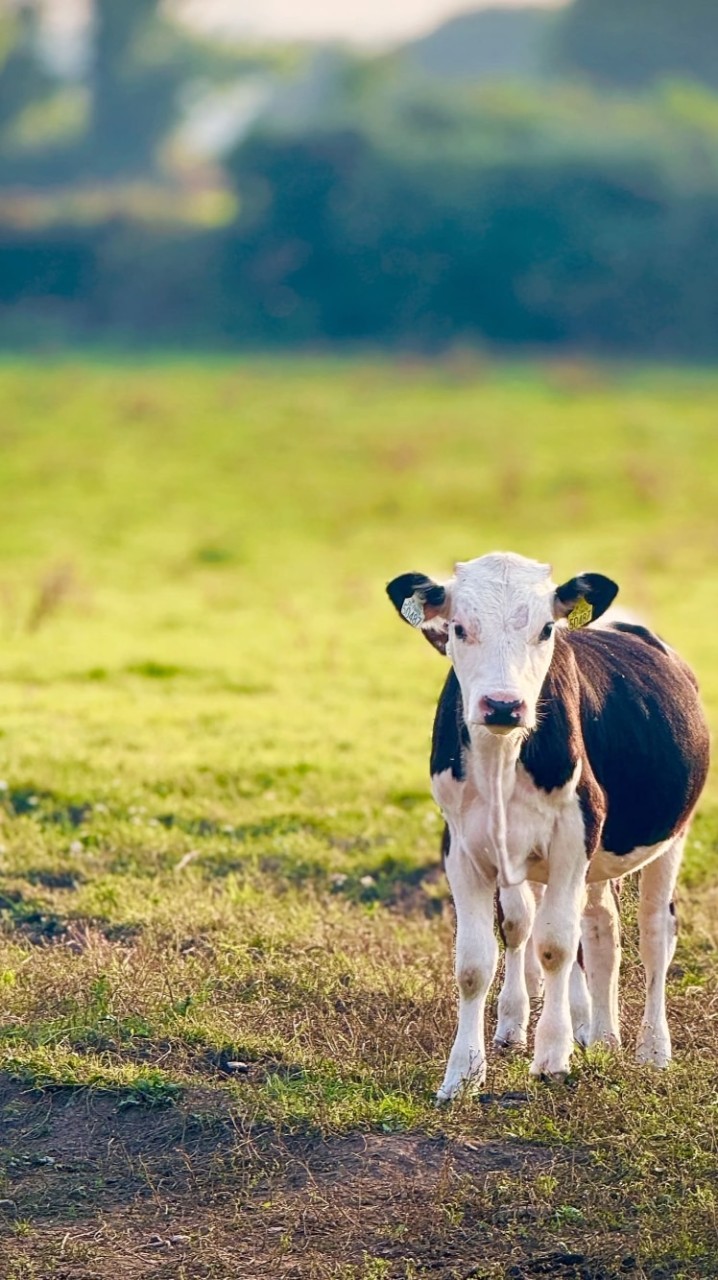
column 601, row 940
column 558, row 925
column 517, row 908
column 658, row 930
column 580, row 1003
column 534, row 973
column 476, row 956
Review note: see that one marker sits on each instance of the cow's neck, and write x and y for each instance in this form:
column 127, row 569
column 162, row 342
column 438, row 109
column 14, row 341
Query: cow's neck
column 493, row 754
column 493, row 760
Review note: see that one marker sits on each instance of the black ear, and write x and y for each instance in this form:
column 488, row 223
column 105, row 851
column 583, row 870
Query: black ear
column 584, row 598
column 420, row 602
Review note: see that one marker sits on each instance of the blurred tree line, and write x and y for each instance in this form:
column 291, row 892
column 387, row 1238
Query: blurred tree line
column 109, row 117
column 577, row 205
column 516, row 217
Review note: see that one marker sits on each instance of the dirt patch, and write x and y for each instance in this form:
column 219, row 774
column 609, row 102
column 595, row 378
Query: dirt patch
column 48, row 1133
column 381, row 1158
column 91, row 1190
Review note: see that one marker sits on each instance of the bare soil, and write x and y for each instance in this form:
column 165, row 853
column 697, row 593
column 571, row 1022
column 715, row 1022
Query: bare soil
column 184, row 1191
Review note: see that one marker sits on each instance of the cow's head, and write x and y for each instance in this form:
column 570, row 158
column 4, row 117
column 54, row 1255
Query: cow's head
column 495, row 620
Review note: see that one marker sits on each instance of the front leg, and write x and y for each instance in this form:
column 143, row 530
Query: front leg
column 558, row 925
column 476, row 956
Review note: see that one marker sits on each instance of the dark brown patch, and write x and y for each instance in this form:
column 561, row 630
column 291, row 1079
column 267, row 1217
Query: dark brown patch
column 438, row 636
column 450, row 736
column 645, row 735
column 593, row 809
column 500, row 917
column 630, row 712
column 551, row 753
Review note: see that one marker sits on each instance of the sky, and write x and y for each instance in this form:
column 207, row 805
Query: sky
column 364, row 21
column 368, row 22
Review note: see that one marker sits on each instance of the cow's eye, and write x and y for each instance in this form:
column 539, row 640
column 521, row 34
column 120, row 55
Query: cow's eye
column 459, row 631
column 546, row 633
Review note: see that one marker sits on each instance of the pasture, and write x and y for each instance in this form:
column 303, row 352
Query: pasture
column 225, row 950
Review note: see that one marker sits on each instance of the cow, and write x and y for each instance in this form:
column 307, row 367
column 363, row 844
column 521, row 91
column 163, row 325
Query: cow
column 566, row 756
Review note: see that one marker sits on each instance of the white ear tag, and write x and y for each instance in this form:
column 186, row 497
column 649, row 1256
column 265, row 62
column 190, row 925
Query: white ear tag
column 412, row 611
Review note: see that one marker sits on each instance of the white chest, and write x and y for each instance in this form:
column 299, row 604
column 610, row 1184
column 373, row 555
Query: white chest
column 503, row 822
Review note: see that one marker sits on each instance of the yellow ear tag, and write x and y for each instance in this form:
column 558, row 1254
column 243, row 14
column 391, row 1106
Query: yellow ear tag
column 580, row 615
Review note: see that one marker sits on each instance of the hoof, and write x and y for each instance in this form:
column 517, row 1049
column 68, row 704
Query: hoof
column 551, row 1077
column 457, row 1082
column 607, row 1039
column 551, row 1066
column 449, row 1093
column 462, row 1089
column 653, row 1060
column 654, row 1047
column 505, row 1045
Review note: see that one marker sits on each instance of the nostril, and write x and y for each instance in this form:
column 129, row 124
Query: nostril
column 501, row 710
column 502, row 704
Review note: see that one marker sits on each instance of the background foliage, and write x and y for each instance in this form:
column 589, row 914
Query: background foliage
column 542, row 177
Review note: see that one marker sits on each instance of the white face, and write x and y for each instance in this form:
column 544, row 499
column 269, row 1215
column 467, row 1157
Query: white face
column 501, row 619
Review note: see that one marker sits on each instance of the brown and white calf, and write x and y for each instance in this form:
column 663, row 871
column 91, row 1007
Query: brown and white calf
column 563, row 756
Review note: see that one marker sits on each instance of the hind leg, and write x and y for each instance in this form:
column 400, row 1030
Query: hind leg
column 516, row 910
column 532, row 968
column 580, row 1002
column 601, row 943
column 658, row 930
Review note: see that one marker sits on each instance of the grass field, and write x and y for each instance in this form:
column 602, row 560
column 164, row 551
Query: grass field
column 225, row 954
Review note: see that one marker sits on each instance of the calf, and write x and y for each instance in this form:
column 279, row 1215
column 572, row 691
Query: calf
column 562, row 756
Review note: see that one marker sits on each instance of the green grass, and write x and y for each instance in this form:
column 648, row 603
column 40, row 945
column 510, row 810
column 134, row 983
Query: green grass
column 217, row 841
